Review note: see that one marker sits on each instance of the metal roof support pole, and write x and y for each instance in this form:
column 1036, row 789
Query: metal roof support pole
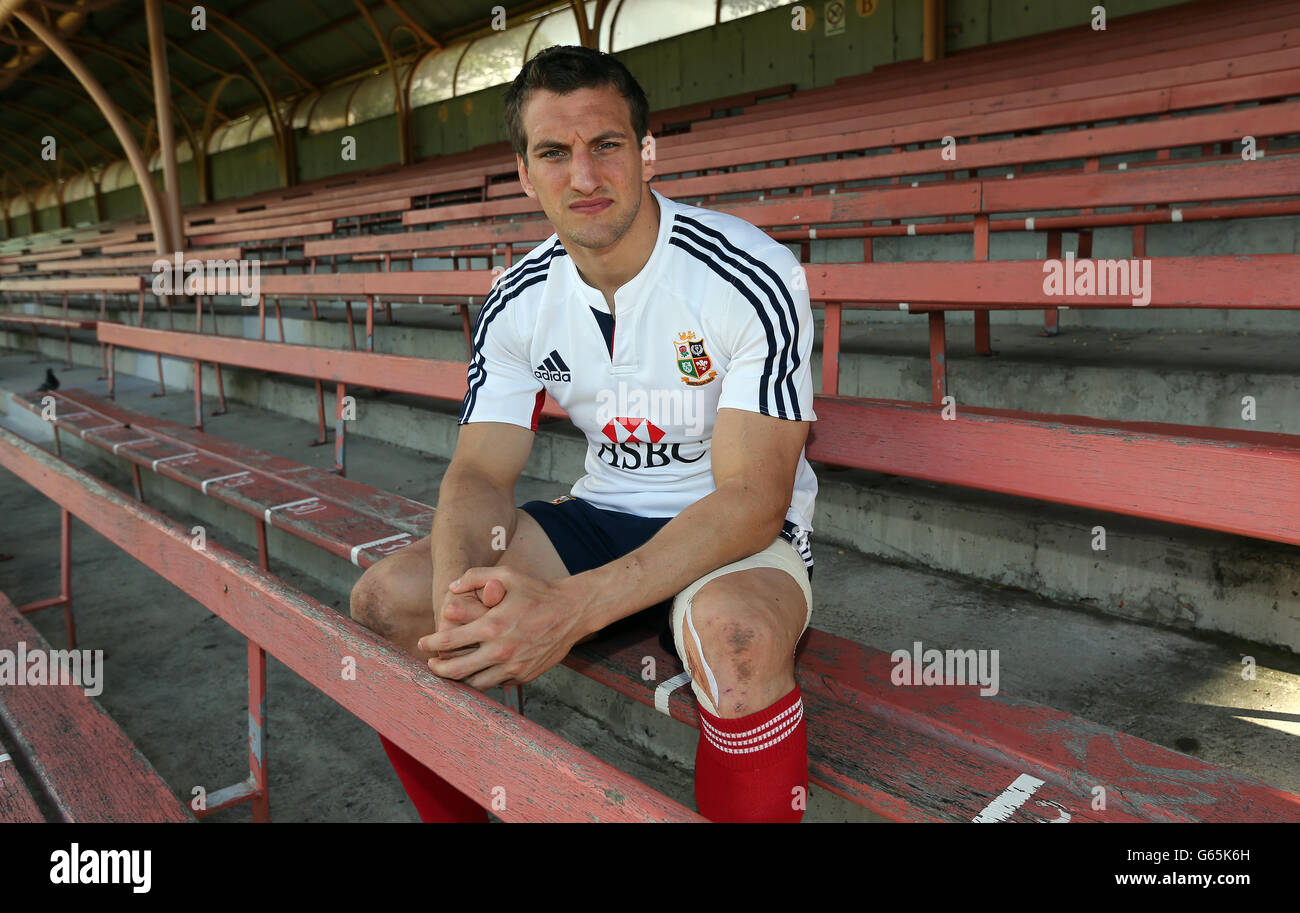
column 404, row 142
column 162, row 97
column 157, row 215
column 934, row 19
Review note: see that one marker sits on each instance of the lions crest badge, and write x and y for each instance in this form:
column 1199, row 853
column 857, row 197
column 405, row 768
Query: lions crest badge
column 692, row 360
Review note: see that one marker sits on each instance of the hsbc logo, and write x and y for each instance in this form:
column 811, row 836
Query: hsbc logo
column 622, row 430
column 640, row 455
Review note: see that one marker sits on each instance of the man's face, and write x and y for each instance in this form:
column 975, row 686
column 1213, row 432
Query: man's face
column 581, row 150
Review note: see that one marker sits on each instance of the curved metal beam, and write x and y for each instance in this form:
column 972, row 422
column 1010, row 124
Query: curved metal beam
column 412, row 26
column 153, row 204
column 399, row 95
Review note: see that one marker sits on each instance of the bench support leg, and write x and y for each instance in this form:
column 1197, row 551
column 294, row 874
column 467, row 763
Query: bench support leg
column 831, row 351
column 65, row 582
column 1051, row 316
column 279, row 318
column 340, row 426
column 352, row 330
column 198, row 394
column 983, row 342
column 221, row 391
column 514, row 695
column 162, row 388
column 370, row 323
column 321, row 435
column 469, row 333
column 135, row 479
column 261, row 797
column 938, row 358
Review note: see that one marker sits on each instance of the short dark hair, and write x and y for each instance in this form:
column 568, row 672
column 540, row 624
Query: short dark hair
column 566, row 68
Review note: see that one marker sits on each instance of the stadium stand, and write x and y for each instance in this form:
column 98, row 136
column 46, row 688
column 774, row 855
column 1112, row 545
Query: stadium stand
column 1181, row 119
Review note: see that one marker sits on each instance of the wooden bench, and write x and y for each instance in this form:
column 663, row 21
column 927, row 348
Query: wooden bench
column 473, row 742
column 958, row 749
column 87, row 768
column 66, row 287
column 395, row 373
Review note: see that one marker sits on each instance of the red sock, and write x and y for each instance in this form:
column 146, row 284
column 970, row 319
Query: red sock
column 437, row 801
column 754, row 768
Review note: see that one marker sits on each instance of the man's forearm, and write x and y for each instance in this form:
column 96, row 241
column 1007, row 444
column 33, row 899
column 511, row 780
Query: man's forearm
column 472, row 516
column 722, row 527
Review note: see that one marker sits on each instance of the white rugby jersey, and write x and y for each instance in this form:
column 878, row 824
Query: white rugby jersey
column 718, row 317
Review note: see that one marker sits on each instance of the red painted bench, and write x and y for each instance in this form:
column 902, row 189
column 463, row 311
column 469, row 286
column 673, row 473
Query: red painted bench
column 103, row 285
column 87, row 768
column 473, row 742
column 908, row 753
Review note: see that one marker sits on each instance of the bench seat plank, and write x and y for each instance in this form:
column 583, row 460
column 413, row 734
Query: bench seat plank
column 90, row 769
column 17, row 805
column 917, row 753
column 353, row 521
column 36, row 320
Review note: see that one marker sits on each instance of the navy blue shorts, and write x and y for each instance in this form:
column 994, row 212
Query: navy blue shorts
column 587, row 537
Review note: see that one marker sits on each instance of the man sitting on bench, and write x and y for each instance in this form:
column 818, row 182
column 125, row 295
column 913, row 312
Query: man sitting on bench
column 697, row 500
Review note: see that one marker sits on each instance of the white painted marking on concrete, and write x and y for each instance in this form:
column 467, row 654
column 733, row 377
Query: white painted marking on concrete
column 175, row 456
column 1012, row 798
column 287, row 504
column 233, row 475
column 139, row 440
column 666, row 689
column 357, row 549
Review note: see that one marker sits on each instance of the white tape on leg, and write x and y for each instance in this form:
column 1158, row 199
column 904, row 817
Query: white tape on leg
column 699, row 650
column 666, row 688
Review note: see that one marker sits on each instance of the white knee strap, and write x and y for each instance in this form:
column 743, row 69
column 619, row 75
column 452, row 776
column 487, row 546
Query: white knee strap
column 703, row 682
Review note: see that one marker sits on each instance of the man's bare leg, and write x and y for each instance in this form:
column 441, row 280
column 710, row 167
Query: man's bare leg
column 394, row 597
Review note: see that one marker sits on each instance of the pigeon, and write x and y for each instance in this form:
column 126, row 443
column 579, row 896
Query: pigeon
column 51, row 382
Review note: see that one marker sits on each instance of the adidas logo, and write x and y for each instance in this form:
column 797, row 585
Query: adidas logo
column 553, row 369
